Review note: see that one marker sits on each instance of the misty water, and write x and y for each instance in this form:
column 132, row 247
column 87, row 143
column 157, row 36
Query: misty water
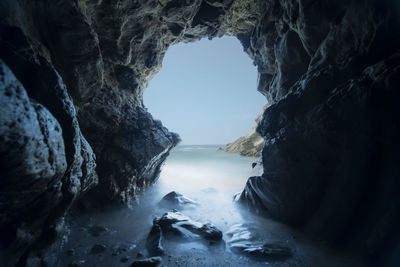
column 208, row 176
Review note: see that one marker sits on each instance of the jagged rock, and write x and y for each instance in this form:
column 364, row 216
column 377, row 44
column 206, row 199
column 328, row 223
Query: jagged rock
column 338, row 140
column 149, row 262
column 175, row 200
column 330, row 133
column 249, row 145
column 154, row 241
column 32, row 167
column 175, row 224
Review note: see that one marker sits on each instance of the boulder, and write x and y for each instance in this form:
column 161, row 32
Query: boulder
column 175, row 224
column 175, row 200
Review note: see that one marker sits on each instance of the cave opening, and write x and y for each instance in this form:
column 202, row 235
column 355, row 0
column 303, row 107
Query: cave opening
column 206, row 92
column 74, row 133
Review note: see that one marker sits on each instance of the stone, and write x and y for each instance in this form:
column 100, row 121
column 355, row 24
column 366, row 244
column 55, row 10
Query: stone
column 243, row 239
column 154, row 241
column 97, row 230
column 249, row 145
column 148, row 262
column 175, row 200
column 125, row 259
column 175, row 224
column 267, row 251
column 71, row 252
column 98, row 248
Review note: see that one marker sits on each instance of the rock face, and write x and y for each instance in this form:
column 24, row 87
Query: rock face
column 330, row 136
column 74, row 127
column 249, row 145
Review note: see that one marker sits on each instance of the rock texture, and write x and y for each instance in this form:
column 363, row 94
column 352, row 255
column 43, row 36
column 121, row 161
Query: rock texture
column 250, row 144
column 330, row 134
column 74, row 127
column 242, row 239
column 175, row 225
column 175, row 200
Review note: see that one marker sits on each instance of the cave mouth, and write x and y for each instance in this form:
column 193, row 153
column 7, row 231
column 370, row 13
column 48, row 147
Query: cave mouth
column 206, row 92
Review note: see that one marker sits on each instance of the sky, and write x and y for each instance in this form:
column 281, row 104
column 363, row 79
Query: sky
column 206, row 91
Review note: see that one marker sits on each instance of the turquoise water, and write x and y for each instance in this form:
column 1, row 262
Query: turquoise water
column 193, row 168
column 208, row 176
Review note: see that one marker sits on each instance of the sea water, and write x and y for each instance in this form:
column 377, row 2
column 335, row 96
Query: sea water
column 209, row 176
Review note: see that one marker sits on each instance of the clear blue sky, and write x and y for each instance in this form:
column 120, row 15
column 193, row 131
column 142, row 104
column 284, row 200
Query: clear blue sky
column 206, row 91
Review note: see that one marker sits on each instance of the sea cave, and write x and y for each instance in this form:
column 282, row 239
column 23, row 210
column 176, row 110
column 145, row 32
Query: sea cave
column 78, row 147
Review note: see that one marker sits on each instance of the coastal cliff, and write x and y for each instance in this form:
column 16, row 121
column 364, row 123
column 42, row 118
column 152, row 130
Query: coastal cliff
column 249, row 145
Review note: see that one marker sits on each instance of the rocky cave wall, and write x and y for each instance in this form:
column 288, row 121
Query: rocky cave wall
column 73, row 125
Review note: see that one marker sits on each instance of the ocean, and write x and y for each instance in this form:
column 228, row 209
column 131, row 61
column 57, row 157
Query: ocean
column 207, row 175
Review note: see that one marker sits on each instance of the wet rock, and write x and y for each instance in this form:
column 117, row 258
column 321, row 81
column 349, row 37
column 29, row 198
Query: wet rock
column 243, row 239
column 78, row 263
column 98, row 248
column 241, row 232
column 267, row 251
column 327, row 113
column 56, row 116
column 97, row 230
column 149, row 262
column 175, row 200
column 175, row 224
column 153, row 241
column 125, row 259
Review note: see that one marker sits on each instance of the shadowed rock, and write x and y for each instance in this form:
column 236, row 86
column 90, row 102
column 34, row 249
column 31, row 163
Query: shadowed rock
column 244, row 240
column 153, row 241
column 267, row 251
column 97, row 230
column 98, row 248
column 175, row 200
column 149, row 262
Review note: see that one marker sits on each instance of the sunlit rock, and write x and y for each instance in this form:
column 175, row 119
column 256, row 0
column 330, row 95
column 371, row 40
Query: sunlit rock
column 250, row 144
